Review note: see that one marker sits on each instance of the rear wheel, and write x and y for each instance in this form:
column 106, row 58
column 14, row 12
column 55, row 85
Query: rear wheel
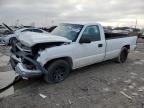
column 57, row 71
column 123, row 55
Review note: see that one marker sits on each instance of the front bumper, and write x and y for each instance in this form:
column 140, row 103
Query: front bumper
column 25, row 73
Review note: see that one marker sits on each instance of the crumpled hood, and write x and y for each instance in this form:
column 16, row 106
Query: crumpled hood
column 30, row 38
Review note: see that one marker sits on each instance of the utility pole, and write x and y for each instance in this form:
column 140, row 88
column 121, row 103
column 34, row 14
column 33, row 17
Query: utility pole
column 136, row 24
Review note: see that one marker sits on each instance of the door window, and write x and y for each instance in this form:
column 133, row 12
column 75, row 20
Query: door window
column 92, row 32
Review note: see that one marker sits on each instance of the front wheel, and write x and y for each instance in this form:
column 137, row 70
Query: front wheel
column 123, row 55
column 57, row 71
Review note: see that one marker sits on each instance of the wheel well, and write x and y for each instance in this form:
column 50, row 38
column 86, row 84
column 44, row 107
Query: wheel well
column 68, row 59
column 127, row 46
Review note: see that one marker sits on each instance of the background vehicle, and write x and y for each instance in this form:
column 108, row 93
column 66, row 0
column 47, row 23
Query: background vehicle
column 1, row 41
column 2, row 29
column 68, row 47
column 50, row 29
column 9, row 38
column 142, row 35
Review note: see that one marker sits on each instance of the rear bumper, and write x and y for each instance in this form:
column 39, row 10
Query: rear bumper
column 25, row 73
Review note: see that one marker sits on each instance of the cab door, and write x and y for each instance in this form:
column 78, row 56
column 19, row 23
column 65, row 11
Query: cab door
column 92, row 50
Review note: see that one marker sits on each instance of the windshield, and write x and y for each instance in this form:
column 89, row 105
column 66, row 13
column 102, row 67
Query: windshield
column 69, row 31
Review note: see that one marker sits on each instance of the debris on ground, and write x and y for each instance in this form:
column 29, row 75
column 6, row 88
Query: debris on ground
column 128, row 81
column 70, row 102
column 134, row 94
column 124, row 94
column 124, row 89
column 106, row 89
column 140, row 62
column 131, row 87
column 141, row 89
column 134, row 74
column 43, row 96
column 57, row 104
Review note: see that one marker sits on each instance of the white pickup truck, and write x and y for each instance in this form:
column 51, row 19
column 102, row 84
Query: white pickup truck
column 68, row 47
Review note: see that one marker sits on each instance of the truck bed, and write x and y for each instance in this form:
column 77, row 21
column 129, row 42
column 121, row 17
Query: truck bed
column 115, row 41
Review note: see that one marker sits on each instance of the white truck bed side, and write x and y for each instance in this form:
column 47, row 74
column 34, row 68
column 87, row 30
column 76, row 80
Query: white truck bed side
column 113, row 46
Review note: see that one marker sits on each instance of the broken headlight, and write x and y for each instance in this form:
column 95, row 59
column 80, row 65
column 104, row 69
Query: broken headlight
column 23, row 47
column 26, row 48
column 28, row 64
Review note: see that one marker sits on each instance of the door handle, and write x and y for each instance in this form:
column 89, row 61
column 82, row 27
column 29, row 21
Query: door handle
column 100, row 45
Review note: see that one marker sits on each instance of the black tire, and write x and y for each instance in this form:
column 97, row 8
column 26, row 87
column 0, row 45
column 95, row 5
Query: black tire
column 57, row 71
column 123, row 55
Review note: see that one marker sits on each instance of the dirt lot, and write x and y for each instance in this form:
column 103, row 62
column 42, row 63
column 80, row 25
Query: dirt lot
column 103, row 85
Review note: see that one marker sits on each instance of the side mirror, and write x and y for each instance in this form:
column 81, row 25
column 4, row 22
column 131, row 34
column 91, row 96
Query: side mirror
column 84, row 39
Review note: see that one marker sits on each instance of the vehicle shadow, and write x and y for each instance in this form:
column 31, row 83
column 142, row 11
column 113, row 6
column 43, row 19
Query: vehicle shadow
column 93, row 66
column 37, row 83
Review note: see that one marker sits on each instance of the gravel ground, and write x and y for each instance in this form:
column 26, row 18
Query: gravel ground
column 102, row 85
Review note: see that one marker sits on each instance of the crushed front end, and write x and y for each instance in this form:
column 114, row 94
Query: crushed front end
column 23, row 61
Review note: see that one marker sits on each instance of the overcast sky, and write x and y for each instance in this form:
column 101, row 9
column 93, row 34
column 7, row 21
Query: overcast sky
column 45, row 12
